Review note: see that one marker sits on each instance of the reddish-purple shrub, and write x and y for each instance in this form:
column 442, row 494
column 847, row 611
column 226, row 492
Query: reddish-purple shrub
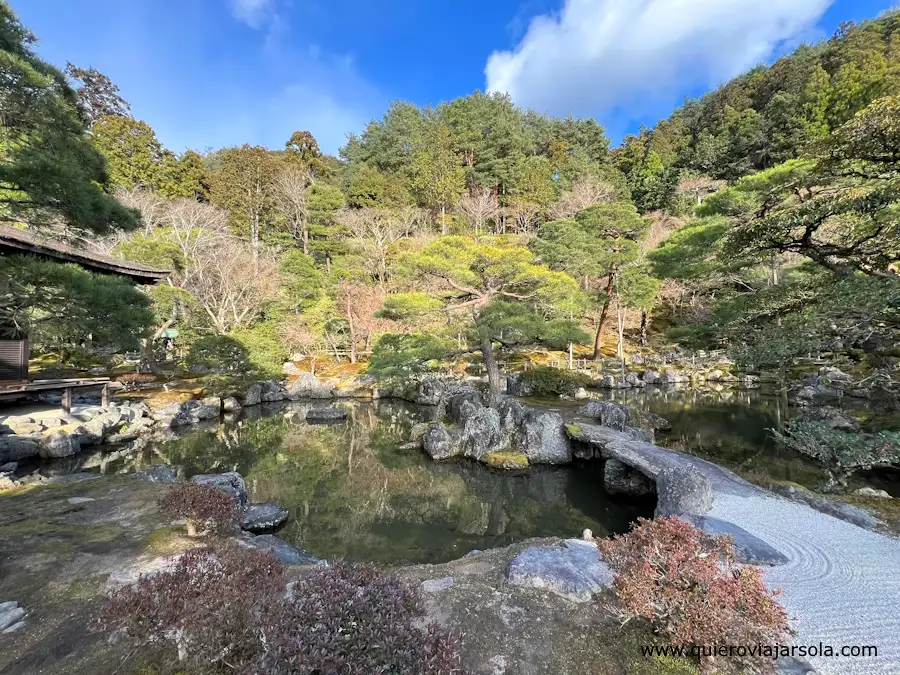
column 691, row 590
column 209, row 606
column 353, row 619
column 226, row 609
column 205, row 508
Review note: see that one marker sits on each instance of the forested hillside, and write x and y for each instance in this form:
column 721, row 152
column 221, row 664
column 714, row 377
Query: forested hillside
column 761, row 218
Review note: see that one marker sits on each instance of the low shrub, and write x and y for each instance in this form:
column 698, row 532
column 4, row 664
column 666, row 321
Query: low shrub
column 205, row 508
column 547, row 381
column 208, row 606
column 226, row 609
column 688, row 586
column 350, row 618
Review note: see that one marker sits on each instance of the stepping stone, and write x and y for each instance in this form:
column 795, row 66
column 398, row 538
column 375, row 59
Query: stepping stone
column 80, row 500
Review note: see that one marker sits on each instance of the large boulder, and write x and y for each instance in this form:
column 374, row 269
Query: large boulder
column 231, row 482
column 230, row 404
column 263, row 517
column 682, row 491
column 621, row 479
column 102, row 426
column 608, row 414
column 272, row 391
column 253, row 395
column 307, row 385
column 14, row 448
column 439, row 442
column 573, row 571
column 431, row 391
column 543, row 440
column 480, row 432
column 455, row 407
column 57, row 445
column 516, row 386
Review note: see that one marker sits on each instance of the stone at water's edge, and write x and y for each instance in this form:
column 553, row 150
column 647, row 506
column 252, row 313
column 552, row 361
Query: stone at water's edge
column 748, row 549
column 263, row 517
column 287, row 554
column 682, row 491
column 231, row 482
column 437, row 441
column 326, row 415
column 230, row 404
column 573, row 571
column 161, row 473
column 253, row 396
column 58, row 445
column 543, row 440
column 13, row 448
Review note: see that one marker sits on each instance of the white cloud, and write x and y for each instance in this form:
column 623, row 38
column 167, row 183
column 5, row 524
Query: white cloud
column 254, row 13
column 595, row 55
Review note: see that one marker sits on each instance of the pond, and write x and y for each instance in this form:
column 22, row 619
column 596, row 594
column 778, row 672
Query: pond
column 731, row 427
column 353, row 494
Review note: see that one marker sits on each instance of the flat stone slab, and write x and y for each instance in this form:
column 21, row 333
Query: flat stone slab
column 748, row 549
column 263, row 517
column 286, row 553
column 573, row 571
column 325, row 415
column 80, row 500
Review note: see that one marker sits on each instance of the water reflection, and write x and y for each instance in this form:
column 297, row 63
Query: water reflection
column 352, row 493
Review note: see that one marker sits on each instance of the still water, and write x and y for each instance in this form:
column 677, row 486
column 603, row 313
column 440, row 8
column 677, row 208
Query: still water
column 353, row 493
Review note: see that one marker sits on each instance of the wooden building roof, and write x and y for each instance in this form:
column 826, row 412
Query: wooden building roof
column 14, row 241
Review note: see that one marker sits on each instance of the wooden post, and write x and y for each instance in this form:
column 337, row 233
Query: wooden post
column 104, row 396
column 67, row 400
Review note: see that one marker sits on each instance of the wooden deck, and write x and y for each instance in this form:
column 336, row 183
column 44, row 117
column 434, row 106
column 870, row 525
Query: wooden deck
column 9, row 390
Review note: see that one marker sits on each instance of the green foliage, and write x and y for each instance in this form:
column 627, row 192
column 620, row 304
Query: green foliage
column 410, row 305
column 219, row 353
column 262, row 343
column 303, row 280
column 547, row 381
column 401, row 358
column 843, row 453
column 438, row 178
column 60, row 306
column 49, row 170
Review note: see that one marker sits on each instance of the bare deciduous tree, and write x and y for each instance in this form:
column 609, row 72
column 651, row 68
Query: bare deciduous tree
column 584, row 193
column 480, row 206
column 292, row 185
column 522, row 215
column 230, row 287
column 375, row 231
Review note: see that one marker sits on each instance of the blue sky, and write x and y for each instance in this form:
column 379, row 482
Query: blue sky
column 210, row 73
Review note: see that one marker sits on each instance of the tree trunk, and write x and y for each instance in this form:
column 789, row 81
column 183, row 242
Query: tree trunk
column 643, row 327
column 604, row 317
column 305, row 240
column 352, row 332
column 493, row 371
column 443, row 220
